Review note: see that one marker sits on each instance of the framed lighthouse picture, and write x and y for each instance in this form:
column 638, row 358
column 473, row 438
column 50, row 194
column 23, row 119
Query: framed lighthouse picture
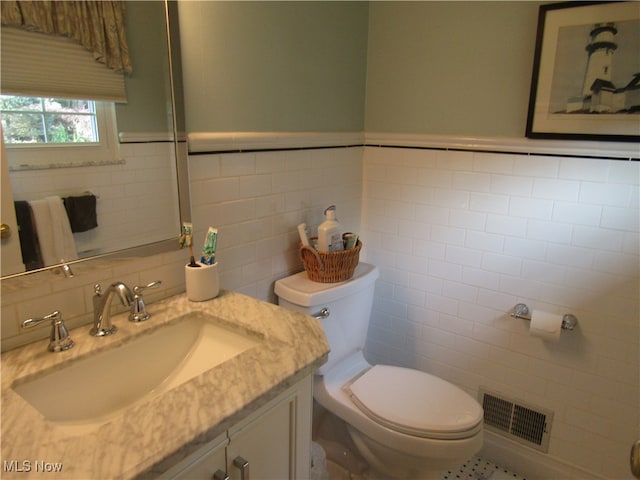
column 586, row 72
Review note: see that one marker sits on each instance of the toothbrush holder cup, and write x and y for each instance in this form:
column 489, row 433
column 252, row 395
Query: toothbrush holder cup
column 202, row 282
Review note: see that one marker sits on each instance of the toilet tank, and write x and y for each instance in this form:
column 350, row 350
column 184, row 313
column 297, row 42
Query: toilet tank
column 349, row 304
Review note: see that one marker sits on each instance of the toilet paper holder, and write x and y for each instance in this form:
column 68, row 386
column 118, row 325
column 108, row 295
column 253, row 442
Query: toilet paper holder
column 569, row 321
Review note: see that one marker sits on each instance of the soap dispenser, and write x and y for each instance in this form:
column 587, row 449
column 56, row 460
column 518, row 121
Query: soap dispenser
column 330, row 232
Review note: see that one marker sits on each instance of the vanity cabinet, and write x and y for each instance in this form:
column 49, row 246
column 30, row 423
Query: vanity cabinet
column 274, row 442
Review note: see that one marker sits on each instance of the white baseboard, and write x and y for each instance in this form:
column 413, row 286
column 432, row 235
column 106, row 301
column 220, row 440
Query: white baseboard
column 530, row 463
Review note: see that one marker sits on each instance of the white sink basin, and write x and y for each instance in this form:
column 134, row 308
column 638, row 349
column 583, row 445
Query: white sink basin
column 150, row 364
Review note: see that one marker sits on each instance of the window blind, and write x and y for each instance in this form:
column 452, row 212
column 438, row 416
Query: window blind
column 50, row 66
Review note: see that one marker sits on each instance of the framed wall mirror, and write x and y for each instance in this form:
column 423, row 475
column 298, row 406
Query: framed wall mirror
column 137, row 198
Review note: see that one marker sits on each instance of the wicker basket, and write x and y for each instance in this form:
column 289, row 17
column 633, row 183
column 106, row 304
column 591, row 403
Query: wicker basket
column 330, row 267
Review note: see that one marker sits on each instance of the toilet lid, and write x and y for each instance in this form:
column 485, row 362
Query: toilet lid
column 416, row 403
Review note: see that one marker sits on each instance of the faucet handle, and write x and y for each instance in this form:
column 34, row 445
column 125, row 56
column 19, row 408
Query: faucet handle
column 138, row 308
column 59, row 339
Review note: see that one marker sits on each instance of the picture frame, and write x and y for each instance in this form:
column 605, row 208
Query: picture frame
column 586, row 72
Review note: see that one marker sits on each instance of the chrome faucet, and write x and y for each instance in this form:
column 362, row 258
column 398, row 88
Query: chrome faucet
column 101, row 307
column 59, row 341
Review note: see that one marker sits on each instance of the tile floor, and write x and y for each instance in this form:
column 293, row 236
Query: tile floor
column 480, row 469
column 336, row 458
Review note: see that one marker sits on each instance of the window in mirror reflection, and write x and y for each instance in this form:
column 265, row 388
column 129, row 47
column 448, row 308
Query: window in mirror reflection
column 48, row 120
column 45, row 131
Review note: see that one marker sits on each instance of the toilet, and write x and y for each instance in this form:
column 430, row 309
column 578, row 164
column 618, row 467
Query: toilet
column 405, row 423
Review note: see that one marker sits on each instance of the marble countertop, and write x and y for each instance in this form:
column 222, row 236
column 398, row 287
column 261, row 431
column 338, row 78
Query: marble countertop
column 148, row 437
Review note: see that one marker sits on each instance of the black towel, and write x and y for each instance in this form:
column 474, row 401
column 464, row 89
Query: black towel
column 29, row 245
column 81, row 212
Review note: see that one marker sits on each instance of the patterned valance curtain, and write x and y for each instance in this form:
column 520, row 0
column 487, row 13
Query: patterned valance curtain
column 99, row 26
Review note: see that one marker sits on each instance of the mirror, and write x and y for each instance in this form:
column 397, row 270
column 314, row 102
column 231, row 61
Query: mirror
column 142, row 198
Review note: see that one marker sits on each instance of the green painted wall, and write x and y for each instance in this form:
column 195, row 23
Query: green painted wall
column 460, row 68
column 274, row 66
column 148, row 89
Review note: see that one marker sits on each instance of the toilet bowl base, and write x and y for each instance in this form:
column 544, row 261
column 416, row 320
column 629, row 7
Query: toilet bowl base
column 393, row 464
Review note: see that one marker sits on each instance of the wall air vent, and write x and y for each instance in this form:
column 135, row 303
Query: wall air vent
column 512, row 419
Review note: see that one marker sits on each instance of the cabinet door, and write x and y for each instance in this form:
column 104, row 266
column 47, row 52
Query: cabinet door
column 202, row 464
column 276, row 440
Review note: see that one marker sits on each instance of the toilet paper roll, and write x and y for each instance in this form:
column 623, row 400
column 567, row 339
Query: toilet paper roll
column 546, row 325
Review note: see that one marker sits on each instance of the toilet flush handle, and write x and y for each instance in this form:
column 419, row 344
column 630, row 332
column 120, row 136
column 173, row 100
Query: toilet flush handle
column 322, row 314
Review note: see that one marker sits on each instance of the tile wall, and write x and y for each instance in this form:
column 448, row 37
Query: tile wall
column 134, row 200
column 257, row 199
column 461, row 237
column 142, row 188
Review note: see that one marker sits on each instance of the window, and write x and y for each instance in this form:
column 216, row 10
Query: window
column 48, row 120
column 40, row 132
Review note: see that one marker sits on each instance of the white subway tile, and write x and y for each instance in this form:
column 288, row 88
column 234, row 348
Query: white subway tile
column 271, row 162
column 505, row 225
column 583, row 169
column 549, row 231
column 555, row 189
column 432, row 215
column 489, row 203
column 417, row 194
column 535, row 208
column 459, row 291
column 621, row 218
column 463, row 256
column 597, row 238
column 577, row 213
column 425, row 248
column 428, row 283
column 570, row 255
column 234, row 164
column 411, row 263
column 484, row 241
column 511, row 185
column 396, row 244
column 471, row 181
column 444, row 270
column 616, row 263
column 454, row 160
column 448, row 235
column 450, row 198
column 615, row 195
column 409, row 296
column 255, row 185
column 416, row 230
column 493, row 163
column 496, row 300
column 467, row 219
column 429, row 177
column 544, row 271
column 536, row 166
column 480, row 278
column 494, row 262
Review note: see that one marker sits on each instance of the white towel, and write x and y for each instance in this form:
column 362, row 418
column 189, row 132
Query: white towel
column 54, row 232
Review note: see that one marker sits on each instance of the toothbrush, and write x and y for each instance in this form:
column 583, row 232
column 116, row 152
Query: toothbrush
column 186, row 240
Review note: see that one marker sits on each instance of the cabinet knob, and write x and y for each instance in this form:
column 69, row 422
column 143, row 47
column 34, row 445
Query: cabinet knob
column 243, row 465
column 635, row 459
column 220, row 475
column 5, row 231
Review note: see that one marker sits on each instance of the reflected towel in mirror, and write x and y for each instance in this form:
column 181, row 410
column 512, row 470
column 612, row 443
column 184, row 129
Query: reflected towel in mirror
column 81, row 211
column 54, row 231
column 28, row 236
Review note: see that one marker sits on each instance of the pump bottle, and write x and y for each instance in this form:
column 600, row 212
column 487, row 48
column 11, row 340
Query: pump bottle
column 330, row 232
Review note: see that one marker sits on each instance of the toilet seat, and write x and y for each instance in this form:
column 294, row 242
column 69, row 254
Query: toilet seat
column 415, row 403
